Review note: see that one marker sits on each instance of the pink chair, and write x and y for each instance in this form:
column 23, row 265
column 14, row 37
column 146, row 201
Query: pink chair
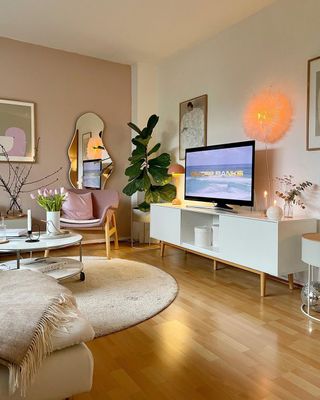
column 105, row 202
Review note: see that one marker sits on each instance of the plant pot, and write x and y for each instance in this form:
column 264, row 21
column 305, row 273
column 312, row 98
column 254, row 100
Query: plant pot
column 53, row 222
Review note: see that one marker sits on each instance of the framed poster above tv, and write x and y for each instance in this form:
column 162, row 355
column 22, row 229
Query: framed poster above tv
column 192, row 124
column 313, row 105
column 17, row 130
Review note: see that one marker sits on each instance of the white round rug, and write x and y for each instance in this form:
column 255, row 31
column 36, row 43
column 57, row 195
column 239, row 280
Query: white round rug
column 119, row 293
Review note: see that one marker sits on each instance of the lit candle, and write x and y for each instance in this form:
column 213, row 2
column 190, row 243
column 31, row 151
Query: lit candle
column 29, row 221
column 265, row 196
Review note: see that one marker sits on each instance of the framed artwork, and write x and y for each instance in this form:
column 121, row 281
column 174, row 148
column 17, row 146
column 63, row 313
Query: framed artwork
column 313, row 105
column 192, row 124
column 17, row 131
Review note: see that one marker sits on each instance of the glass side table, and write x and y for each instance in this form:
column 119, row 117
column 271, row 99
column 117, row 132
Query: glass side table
column 310, row 254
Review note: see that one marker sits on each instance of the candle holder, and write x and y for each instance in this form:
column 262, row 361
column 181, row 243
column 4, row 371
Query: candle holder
column 31, row 238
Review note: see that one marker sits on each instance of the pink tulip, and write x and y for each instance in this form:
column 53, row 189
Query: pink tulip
column 62, row 190
column 40, row 192
column 56, row 191
column 45, row 193
column 32, row 196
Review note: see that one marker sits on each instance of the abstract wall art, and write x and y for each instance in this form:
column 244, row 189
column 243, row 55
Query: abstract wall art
column 17, row 130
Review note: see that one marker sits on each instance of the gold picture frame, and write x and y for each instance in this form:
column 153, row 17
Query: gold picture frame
column 313, row 105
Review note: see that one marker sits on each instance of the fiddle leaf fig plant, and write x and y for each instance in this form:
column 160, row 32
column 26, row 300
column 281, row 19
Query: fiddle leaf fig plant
column 147, row 173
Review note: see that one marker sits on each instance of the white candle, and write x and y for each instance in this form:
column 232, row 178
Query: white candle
column 265, row 196
column 275, row 202
column 29, row 221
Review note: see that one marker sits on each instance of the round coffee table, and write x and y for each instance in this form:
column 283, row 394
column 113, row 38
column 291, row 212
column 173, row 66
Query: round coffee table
column 18, row 246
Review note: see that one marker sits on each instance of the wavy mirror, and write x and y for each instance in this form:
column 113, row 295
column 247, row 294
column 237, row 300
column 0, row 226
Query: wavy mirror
column 90, row 162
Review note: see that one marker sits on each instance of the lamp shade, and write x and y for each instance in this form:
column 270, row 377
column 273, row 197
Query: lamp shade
column 176, row 169
column 268, row 116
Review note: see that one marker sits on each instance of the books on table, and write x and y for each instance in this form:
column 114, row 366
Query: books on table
column 16, row 232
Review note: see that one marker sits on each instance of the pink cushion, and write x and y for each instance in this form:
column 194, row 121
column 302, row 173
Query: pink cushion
column 78, row 206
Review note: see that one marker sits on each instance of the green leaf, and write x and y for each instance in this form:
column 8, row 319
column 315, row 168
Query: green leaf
column 134, row 127
column 134, row 159
column 144, row 183
column 167, row 192
column 131, row 188
column 162, row 161
column 138, row 141
column 140, row 147
column 134, row 170
column 139, row 153
column 145, row 133
column 152, row 122
column 152, row 195
column 144, row 206
column 160, row 175
column 146, row 180
column 154, row 149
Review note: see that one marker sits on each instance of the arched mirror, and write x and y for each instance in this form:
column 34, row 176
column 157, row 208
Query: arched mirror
column 90, row 162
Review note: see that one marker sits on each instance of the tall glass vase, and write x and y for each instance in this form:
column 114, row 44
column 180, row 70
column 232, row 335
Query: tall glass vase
column 288, row 209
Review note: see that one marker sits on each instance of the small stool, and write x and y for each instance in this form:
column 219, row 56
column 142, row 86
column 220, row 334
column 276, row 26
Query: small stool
column 310, row 254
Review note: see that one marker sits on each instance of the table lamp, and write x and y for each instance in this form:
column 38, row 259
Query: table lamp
column 176, row 170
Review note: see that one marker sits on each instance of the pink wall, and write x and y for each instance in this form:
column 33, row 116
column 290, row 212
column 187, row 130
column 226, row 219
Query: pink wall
column 63, row 86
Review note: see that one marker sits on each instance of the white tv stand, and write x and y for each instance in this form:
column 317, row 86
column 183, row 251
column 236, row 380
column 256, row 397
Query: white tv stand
column 246, row 240
column 218, row 210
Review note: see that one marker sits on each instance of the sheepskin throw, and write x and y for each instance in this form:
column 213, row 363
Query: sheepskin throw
column 32, row 306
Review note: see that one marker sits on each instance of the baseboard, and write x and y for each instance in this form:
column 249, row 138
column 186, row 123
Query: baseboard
column 100, row 240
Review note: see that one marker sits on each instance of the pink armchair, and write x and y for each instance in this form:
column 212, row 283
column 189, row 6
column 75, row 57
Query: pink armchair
column 105, row 202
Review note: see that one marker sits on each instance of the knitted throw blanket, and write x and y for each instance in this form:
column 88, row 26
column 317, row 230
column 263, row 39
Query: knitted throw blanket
column 32, row 305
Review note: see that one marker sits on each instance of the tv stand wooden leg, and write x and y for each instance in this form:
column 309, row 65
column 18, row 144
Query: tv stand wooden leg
column 263, row 281
column 290, row 281
column 162, row 245
column 214, row 265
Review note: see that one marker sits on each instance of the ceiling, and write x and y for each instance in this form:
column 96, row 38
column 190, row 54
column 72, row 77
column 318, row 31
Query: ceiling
column 125, row 31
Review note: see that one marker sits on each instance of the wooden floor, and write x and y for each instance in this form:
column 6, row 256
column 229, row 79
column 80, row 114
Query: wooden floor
column 218, row 340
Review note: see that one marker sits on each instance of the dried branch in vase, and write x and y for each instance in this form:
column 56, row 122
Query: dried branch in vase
column 14, row 182
column 291, row 191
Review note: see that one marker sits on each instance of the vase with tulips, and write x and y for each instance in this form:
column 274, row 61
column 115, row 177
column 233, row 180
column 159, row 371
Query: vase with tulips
column 51, row 200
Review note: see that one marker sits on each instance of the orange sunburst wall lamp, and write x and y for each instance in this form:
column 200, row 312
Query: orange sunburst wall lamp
column 268, row 116
column 95, row 148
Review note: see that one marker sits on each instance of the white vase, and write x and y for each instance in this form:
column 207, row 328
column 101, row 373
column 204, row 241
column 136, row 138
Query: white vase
column 53, row 222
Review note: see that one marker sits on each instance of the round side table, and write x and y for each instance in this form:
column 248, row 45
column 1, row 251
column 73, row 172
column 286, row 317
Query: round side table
column 310, row 254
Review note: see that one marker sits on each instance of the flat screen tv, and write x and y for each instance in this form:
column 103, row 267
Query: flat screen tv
column 222, row 174
column 92, row 174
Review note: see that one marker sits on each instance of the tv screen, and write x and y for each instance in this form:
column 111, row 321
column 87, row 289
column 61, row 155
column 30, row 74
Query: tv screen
column 223, row 174
column 92, row 174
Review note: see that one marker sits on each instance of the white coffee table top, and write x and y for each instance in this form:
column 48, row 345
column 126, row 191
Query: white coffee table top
column 20, row 244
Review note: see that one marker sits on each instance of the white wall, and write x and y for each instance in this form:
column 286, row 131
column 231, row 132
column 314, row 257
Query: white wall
column 144, row 104
column 269, row 48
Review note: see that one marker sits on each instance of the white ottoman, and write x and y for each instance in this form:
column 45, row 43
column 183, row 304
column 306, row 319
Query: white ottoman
column 66, row 372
